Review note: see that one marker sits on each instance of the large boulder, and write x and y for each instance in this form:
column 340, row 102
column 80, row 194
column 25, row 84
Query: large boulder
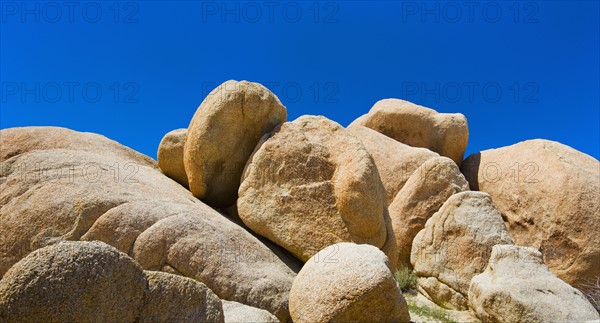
column 73, row 282
column 347, row 282
column 170, row 156
column 58, row 184
column 455, row 245
column 549, row 197
column 239, row 313
column 206, row 251
column 423, row 194
column 311, row 184
column 78, row 282
column 222, row 135
column 395, row 161
column 517, row 286
column 418, row 126
column 173, row 298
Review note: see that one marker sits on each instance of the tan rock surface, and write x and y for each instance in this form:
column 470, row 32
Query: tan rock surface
column 239, row 313
column 207, row 250
column 347, row 282
column 172, row 298
column 74, row 196
column 222, row 135
column 73, row 281
column 395, row 161
column 517, row 286
column 455, row 245
column 423, row 194
column 170, row 156
column 418, row 126
column 549, row 197
column 311, row 184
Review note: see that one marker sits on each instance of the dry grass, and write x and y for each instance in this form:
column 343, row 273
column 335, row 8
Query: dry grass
column 406, row 278
column 435, row 314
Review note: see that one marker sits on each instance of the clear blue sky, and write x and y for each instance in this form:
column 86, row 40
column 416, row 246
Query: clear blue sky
column 517, row 70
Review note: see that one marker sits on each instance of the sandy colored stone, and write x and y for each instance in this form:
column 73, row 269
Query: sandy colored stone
column 73, row 281
column 63, row 202
column 243, row 270
column 423, row 194
column 311, row 184
column 549, row 197
column 170, row 156
column 239, row 313
column 395, row 161
column 222, row 135
column 446, row 134
column 517, row 286
column 455, row 245
column 347, row 282
column 172, row 298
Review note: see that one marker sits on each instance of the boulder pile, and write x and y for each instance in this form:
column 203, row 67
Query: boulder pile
column 249, row 217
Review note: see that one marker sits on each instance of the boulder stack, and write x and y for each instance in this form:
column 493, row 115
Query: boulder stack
column 311, row 184
column 549, row 197
column 248, row 217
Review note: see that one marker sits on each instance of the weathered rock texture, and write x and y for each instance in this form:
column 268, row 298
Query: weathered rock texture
column 417, row 126
column 94, row 282
column 222, row 135
column 73, row 281
column 173, row 298
column 549, row 196
column 395, row 161
column 170, row 156
column 311, row 184
column 58, row 184
column 423, row 194
column 518, row 287
column 455, row 245
column 347, row 282
column 239, row 313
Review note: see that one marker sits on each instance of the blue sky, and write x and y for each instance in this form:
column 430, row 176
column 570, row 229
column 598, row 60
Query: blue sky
column 133, row 71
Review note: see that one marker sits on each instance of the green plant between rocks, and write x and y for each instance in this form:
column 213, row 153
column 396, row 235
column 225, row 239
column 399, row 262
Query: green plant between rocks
column 406, row 278
column 430, row 312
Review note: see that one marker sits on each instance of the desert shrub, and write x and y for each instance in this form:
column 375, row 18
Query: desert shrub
column 435, row 314
column 406, row 278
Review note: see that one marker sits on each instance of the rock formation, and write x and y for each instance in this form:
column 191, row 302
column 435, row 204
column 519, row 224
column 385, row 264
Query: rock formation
column 417, row 126
column 549, row 197
column 423, row 194
column 58, row 184
column 517, row 286
column 222, row 135
column 311, row 184
column 94, row 282
column 455, row 245
column 247, row 217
